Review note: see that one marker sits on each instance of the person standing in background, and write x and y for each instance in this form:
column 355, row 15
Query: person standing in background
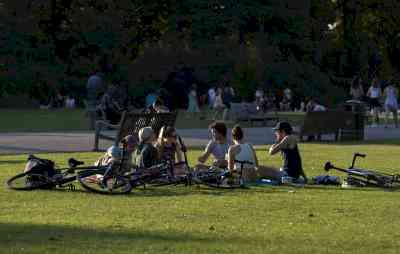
column 374, row 94
column 94, row 88
column 211, row 97
column 391, row 105
column 193, row 106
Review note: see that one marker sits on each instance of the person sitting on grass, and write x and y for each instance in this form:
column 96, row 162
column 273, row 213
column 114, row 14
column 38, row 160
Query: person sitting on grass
column 286, row 143
column 169, row 149
column 114, row 154
column 146, row 154
column 242, row 151
column 217, row 147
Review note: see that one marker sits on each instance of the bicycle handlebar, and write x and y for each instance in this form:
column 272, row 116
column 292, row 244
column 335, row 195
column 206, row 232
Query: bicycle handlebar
column 355, row 158
column 360, row 155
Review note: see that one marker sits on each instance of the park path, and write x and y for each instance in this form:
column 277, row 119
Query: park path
column 35, row 142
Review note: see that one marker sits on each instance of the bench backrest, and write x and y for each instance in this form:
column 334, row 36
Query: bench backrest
column 132, row 122
column 243, row 110
column 327, row 121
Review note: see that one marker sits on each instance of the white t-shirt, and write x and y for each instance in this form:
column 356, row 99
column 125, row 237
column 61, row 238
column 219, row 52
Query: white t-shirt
column 288, row 93
column 211, row 94
column 70, row 103
column 374, row 92
column 259, row 94
column 319, row 107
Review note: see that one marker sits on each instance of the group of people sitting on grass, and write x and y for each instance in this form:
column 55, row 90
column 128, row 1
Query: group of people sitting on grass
column 150, row 150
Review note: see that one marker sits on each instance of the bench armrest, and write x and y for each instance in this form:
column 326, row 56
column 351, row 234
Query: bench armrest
column 100, row 124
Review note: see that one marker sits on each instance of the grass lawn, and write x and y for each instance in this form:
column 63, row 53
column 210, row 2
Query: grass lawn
column 20, row 120
column 202, row 220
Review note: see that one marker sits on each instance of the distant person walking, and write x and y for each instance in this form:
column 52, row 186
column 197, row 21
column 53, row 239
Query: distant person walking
column 94, row 88
column 193, row 106
column 227, row 98
column 219, row 105
column 374, row 94
column 391, row 105
column 211, row 97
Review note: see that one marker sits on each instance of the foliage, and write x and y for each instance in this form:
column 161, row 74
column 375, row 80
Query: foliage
column 69, row 39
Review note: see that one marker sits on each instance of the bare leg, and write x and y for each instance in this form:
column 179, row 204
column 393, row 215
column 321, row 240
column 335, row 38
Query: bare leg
column 269, row 172
column 376, row 113
column 387, row 116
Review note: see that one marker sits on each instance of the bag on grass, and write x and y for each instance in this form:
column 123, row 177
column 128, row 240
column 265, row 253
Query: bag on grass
column 36, row 165
column 327, row 180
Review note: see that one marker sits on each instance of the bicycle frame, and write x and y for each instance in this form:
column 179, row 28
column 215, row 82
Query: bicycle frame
column 365, row 177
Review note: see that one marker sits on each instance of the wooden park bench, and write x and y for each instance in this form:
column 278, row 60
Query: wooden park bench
column 131, row 123
column 334, row 122
column 247, row 112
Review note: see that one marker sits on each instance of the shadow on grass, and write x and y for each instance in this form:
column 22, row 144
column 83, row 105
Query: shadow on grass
column 338, row 188
column 35, row 237
column 171, row 191
column 196, row 190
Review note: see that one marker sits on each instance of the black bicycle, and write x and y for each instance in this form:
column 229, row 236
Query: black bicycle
column 366, row 177
column 115, row 179
column 213, row 177
column 42, row 174
column 158, row 175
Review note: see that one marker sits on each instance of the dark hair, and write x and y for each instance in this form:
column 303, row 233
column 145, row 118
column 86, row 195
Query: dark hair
column 169, row 130
column 237, row 132
column 220, row 127
column 158, row 102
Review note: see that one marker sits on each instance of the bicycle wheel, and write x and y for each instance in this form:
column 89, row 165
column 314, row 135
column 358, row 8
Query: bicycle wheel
column 94, row 181
column 395, row 184
column 218, row 180
column 27, row 181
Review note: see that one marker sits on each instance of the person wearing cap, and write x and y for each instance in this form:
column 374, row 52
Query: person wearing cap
column 286, row 143
column 146, row 154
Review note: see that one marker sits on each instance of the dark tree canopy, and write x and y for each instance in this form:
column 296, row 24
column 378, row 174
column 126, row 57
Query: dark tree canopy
column 309, row 45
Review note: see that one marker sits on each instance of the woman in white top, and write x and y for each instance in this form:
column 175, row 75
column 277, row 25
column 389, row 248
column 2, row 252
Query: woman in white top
column 391, row 105
column 219, row 105
column 241, row 151
column 374, row 93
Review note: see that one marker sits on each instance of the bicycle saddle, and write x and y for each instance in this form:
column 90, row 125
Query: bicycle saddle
column 73, row 163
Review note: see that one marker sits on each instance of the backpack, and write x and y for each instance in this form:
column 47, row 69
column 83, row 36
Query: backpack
column 36, row 165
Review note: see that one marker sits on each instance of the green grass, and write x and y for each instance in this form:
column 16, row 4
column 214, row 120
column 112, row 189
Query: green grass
column 22, row 120
column 202, row 220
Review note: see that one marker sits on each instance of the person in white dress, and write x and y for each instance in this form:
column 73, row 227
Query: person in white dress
column 211, row 96
column 391, row 105
column 219, row 105
column 374, row 94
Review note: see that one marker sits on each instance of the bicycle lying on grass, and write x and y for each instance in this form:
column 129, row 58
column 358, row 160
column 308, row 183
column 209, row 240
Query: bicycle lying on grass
column 42, row 174
column 365, row 177
column 160, row 175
